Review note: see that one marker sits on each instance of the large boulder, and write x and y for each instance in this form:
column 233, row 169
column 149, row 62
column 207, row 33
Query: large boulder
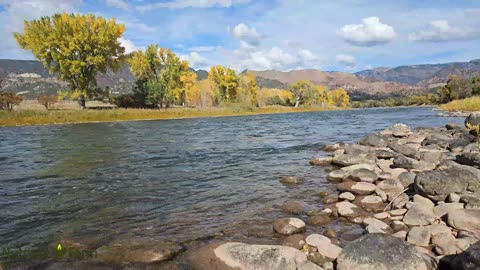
column 380, row 252
column 409, row 150
column 469, row 259
column 465, row 219
column 469, row 159
column 419, row 215
column 375, row 140
column 352, row 159
column 242, row 256
column 473, row 119
column 412, row 164
column 437, row 185
column 137, row 251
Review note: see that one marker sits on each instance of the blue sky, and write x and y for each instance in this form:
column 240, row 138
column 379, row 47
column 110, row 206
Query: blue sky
column 340, row 35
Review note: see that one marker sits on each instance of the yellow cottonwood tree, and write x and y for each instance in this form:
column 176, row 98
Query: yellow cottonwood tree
column 249, row 87
column 226, row 82
column 74, row 47
column 339, row 98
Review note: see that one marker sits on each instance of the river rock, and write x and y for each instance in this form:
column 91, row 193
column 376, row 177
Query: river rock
column 295, row 241
column 319, row 220
column 357, row 149
column 397, row 212
column 350, row 169
column 391, row 185
column 262, row 257
column 443, row 209
column 291, row 180
column 288, row 226
column 332, row 147
column 440, row 139
column 473, row 119
column 469, row 159
column 352, row 159
column 412, row 164
column 445, row 244
column 370, row 203
column 439, row 228
column 376, row 226
column 471, row 202
column 419, row 236
column 329, row 199
column 409, row 150
column 385, row 153
column 375, row 140
column 419, row 215
column 347, row 209
column 406, row 178
column 321, row 161
column 465, row 219
column 293, row 207
column 398, row 225
column 337, row 176
column 469, row 259
column 423, row 201
column 471, row 148
column 383, row 215
column 397, row 130
column 347, row 196
column 363, row 175
column 380, row 252
column 432, row 156
column 324, row 246
column 453, row 198
column 358, row 188
column 137, row 251
column 437, row 185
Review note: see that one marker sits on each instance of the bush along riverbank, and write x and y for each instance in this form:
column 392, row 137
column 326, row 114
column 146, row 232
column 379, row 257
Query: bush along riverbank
column 416, row 194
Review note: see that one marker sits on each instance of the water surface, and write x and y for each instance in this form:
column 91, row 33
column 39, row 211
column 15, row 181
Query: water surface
column 173, row 179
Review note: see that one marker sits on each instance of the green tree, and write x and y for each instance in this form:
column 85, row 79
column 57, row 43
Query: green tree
column 161, row 76
column 74, row 47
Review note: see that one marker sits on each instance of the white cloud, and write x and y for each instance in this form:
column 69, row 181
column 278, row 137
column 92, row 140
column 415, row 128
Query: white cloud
column 248, row 35
column 13, row 15
column 274, row 58
column 203, row 49
column 441, row 30
column 121, row 4
column 128, row 45
column 346, row 60
column 176, row 4
column 369, row 33
column 196, row 61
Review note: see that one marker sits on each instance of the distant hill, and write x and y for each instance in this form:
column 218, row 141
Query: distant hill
column 359, row 88
column 31, row 79
column 423, row 75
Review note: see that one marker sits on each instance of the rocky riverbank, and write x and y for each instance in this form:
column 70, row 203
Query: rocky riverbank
column 416, row 194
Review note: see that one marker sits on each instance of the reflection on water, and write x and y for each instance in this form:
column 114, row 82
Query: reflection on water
column 177, row 179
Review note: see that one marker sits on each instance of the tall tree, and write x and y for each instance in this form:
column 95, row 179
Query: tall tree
column 339, row 98
column 226, row 82
column 165, row 74
column 303, row 91
column 74, row 47
column 249, row 87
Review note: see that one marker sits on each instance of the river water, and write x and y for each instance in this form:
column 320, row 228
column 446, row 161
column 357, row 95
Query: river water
column 175, row 180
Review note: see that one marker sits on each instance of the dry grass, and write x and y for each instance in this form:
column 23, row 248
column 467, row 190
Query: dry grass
column 468, row 104
column 42, row 117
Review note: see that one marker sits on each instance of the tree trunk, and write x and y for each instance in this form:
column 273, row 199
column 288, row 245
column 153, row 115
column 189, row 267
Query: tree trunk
column 297, row 103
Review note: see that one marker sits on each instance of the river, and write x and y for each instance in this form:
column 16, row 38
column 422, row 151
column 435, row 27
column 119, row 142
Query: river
column 177, row 180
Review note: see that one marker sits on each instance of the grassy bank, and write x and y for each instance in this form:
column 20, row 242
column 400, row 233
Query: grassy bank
column 30, row 117
column 468, row 104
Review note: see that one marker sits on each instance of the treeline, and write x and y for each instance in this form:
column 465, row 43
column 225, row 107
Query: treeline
column 77, row 47
column 456, row 88
column 163, row 80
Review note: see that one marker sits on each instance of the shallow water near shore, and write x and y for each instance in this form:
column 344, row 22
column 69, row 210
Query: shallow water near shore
column 179, row 180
